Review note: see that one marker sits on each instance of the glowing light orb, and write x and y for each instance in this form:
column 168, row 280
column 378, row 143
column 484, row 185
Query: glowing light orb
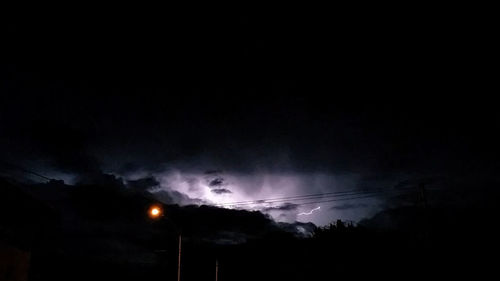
column 155, row 212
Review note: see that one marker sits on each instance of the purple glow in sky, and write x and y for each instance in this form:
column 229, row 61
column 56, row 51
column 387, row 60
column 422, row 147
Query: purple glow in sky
column 221, row 189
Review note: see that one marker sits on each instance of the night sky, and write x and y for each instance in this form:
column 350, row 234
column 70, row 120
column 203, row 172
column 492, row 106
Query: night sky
column 227, row 108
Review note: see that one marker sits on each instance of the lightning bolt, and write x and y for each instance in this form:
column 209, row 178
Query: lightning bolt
column 310, row 212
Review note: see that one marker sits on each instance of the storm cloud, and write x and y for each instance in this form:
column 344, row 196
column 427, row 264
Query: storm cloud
column 259, row 119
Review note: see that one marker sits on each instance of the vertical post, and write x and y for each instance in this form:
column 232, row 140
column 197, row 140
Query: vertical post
column 179, row 260
column 216, row 270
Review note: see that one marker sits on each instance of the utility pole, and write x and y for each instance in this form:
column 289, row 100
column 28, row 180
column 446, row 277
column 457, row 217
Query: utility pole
column 179, row 260
column 216, row 270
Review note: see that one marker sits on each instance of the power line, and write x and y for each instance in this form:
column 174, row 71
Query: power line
column 339, row 199
column 305, row 197
column 259, row 202
column 297, row 196
column 301, row 196
column 346, row 199
column 26, row 170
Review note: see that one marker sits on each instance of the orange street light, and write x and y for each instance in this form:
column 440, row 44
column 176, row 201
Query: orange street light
column 155, row 211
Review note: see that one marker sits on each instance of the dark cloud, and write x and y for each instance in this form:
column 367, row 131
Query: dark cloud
column 143, row 184
column 283, row 207
column 217, row 182
column 221, row 191
column 101, row 179
column 175, row 197
column 212, row 172
column 55, row 145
